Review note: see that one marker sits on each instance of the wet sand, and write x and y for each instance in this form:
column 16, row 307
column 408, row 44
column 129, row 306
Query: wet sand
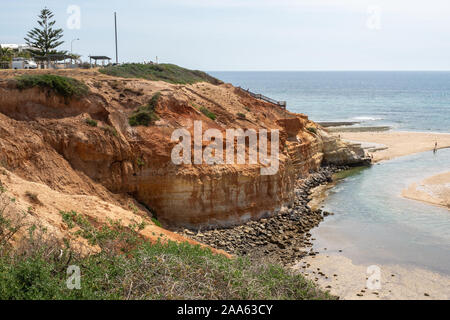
column 349, row 281
column 434, row 190
column 392, row 144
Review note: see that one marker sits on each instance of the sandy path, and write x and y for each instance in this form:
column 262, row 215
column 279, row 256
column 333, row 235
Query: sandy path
column 434, row 190
column 399, row 143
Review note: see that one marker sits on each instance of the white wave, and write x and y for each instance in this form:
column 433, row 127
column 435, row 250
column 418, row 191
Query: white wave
column 367, row 118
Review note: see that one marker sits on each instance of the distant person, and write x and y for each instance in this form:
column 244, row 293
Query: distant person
column 435, row 147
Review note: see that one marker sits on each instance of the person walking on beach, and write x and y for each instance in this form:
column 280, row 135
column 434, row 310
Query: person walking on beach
column 435, row 147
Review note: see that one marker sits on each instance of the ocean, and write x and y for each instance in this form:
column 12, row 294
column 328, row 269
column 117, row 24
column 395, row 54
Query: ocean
column 412, row 101
column 372, row 223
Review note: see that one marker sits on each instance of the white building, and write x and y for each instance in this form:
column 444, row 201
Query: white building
column 13, row 46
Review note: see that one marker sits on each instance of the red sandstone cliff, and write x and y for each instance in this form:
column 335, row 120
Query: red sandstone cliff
column 44, row 139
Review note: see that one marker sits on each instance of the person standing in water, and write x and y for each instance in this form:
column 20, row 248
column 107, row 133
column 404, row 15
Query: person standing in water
column 435, row 147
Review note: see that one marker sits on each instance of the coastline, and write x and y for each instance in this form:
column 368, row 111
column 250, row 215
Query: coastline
column 384, row 146
column 340, row 275
column 433, row 190
column 294, row 246
column 283, row 237
column 387, row 145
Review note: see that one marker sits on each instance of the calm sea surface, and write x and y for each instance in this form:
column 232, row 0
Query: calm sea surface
column 418, row 101
column 372, row 222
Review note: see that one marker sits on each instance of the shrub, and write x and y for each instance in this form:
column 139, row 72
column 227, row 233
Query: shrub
column 156, row 222
column 140, row 162
column 164, row 72
column 208, row 113
column 91, row 122
column 145, row 115
column 241, row 115
column 64, row 86
column 312, row 130
column 129, row 267
column 110, row 130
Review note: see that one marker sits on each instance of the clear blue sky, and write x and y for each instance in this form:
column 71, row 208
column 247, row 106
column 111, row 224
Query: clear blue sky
column 253, row 34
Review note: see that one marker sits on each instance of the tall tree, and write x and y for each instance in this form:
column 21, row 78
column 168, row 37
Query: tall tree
column 45, row 38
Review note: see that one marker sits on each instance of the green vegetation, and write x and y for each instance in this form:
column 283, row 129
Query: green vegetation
column 348, row 173
column 164, row 72
column 110, row 130
column 312, row 130
column 45, row 38
column 145, row 115
column 64, row 86
column 129, row 267
column 241, row 115
column 91, row 122
column 140, row 162
column 156, row 222
column 208, row 113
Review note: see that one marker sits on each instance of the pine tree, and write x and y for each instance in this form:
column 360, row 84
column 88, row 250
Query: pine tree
column 44, row 38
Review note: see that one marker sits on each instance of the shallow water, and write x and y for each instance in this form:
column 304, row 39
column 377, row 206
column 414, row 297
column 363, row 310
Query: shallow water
column 374, row 224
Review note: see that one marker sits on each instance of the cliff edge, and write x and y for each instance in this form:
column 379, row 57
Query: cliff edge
column 90, row 151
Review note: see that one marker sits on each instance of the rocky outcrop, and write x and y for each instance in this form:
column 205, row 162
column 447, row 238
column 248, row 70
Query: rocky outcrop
column 338, row 152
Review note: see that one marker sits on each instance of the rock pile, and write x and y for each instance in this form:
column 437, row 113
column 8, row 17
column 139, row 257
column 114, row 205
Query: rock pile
column 284, row 237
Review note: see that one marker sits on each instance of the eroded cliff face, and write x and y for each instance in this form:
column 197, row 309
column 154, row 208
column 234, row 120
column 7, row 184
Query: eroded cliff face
column 45, row 139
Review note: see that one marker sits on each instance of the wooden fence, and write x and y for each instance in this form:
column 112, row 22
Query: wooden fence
column 264, row 98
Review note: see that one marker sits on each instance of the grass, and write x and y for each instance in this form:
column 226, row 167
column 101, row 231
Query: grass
column 208, row 113
column 129, row 267
column 110, row 130
column 156, row 222
column 91, row 122
column 64, row 86
column 312, row 130
column 145, row 115
column 151, row 271
column 159, row 72
column 241, row 115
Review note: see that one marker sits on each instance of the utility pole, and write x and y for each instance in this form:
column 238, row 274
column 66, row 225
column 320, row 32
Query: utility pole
column 71, row 49
column 115, row 28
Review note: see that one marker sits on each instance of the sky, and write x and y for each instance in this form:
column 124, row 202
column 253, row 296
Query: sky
column 222, row 35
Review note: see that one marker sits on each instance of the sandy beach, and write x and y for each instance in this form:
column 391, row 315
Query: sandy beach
column 434, row 190
column 388, row 145
column 392, row 144
column 351, row 281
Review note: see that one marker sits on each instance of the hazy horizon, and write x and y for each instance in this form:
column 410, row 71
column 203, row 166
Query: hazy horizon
column 251, row 35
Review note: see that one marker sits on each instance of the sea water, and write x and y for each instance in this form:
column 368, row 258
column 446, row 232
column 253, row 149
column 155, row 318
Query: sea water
column 417, row 101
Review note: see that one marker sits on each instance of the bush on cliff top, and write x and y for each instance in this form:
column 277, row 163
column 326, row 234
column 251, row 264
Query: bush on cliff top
column 159, row 72
column 67, row 87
